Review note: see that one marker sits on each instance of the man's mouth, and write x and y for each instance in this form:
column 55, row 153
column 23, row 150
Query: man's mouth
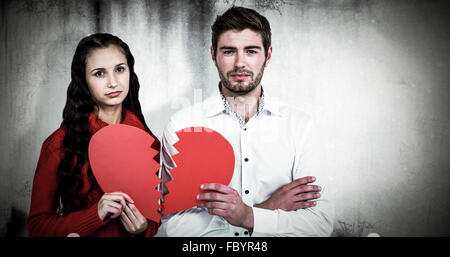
column 240, row 76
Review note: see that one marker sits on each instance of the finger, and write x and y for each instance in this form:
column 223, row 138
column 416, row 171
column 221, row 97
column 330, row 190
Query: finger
column 299, row 181
column 217, row 187
column 116, row 198
column 304, row 205
column 108, row 209
column 129, row 213
column 216, row 205
column 112, row 203
column 305, row 188
column 213, row 197
column 217, row 212
column 136, row 212
column 306, row 196
column 115, row 212
column 127, row 197
column 119, row 195
column 126, row 222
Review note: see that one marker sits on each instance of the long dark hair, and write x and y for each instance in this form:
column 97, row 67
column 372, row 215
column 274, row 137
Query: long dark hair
column 79, row 105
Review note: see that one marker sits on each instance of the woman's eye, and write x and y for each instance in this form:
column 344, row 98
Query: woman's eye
column 120, row 69
column 99, row 74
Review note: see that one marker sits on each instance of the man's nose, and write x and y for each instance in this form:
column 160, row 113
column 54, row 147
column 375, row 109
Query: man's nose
column 239, row 62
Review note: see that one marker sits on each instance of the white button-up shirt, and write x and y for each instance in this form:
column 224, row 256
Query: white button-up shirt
column 270, row 152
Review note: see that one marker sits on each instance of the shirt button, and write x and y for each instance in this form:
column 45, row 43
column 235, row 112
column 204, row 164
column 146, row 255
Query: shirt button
column 245, row 129
column 236, row 234
column 245, row 232
column 246, row 159
column 246, row 191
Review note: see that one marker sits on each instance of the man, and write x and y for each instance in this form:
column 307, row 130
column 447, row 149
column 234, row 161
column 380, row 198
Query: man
column 269, row 193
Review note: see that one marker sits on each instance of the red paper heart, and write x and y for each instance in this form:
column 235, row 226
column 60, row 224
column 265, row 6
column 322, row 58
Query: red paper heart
column 122, row 160
column 204, row 156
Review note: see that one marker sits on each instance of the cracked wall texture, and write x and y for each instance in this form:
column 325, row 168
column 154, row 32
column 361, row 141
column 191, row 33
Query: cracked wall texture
column 375, row 74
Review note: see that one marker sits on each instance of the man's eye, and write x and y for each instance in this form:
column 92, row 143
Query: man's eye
column 228, row 52
column 252, row 51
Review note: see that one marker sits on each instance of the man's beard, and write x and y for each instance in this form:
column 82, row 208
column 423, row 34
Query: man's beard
column 239, row 88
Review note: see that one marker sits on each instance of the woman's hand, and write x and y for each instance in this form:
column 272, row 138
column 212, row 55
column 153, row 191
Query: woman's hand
column 112, row 204
column 132, row 219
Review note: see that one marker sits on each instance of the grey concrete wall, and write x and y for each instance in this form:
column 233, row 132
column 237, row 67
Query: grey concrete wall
column 374, row 73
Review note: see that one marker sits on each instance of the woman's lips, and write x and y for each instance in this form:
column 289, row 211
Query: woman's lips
column 114, row 94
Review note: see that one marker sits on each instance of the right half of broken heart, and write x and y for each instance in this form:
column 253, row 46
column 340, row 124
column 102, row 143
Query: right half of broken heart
column 204, row 156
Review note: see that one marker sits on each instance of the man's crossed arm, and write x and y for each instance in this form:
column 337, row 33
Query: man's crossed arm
column 226, row 202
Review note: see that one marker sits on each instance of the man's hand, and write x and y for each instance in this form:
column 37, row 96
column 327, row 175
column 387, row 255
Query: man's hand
column 226, row 202
column 293, row 196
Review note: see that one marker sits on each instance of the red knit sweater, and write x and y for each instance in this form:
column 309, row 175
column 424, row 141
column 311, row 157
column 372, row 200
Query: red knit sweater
column 43, row 219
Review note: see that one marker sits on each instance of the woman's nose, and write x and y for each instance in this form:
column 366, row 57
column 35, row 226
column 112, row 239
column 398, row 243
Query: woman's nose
column 112, row 83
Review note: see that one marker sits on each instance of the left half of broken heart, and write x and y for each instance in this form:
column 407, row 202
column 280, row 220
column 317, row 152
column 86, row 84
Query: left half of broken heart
column 121, row 159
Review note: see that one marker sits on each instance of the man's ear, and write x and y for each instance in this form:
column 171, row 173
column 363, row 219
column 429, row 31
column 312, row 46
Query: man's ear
column 269, row 55
column 213, row 56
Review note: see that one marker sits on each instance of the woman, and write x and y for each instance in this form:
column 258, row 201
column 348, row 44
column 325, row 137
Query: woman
column 66, row 199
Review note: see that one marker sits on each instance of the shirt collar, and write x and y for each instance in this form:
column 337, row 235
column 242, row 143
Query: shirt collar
column 272, row 106
column 214, row 105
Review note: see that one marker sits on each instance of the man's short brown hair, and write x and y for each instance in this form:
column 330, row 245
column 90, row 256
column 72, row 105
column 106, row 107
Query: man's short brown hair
column 240, row 18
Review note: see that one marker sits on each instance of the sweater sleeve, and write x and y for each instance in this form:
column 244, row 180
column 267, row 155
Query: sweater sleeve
column 43, row 219
column 151, row 229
